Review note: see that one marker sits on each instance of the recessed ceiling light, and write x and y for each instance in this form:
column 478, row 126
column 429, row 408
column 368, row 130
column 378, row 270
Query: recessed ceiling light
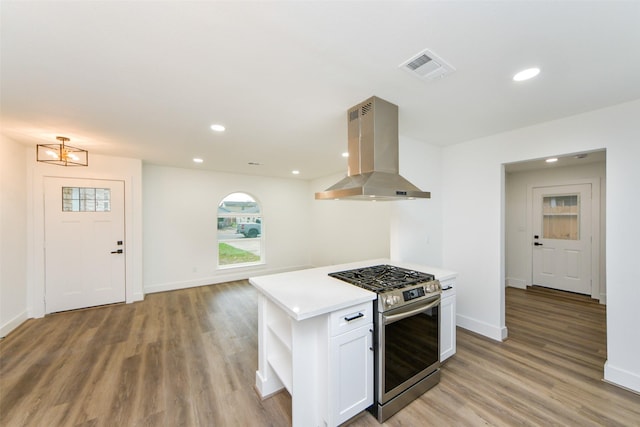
column 295, row 172
column 197, row 160
column 527, row 74
column 345, row 154
column 552, row 160
column 217, row 128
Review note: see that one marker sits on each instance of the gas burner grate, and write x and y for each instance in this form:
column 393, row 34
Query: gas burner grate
column 382, row 278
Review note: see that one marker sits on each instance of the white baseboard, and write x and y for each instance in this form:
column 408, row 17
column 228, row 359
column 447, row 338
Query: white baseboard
column 621, row 377
column 222, row 277
column 11, row 324
column 269, row 385
column 516, row 283
column 490, row 331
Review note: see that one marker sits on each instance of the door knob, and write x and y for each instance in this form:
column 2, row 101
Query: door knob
column 537, row 244
column 119, row 251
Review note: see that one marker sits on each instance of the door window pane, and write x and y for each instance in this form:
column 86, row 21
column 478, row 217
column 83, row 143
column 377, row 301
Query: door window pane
column 560, row 217
column 85, row 199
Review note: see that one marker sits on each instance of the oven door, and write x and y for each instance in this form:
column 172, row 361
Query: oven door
column 409, row 341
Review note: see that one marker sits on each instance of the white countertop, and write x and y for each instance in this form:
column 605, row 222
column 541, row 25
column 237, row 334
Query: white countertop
column 303, row 294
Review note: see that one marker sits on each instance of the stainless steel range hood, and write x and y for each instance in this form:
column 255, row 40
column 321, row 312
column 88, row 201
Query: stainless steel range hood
column 373, row 157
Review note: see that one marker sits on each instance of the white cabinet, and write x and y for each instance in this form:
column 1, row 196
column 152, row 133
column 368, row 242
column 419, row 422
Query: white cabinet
column 350, row 363
column 325, row 362
column 447, row 324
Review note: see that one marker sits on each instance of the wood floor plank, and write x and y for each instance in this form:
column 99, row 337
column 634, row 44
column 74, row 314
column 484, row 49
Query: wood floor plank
column 87, row 401
column 188, row 358
column 102, row 386
column 152, row 397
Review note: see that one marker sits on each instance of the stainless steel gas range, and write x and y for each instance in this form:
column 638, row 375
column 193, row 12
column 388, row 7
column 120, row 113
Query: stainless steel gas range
column 406, row 333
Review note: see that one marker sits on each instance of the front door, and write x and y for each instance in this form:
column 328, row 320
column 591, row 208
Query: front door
column 562, row 237
column 84, row 243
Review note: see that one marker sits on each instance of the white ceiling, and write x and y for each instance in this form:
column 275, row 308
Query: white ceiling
column 146, row 79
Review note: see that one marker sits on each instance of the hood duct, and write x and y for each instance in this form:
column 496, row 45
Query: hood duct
column 373, row 157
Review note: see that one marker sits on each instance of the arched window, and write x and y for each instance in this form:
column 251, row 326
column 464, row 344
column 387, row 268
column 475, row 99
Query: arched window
column 240, row 231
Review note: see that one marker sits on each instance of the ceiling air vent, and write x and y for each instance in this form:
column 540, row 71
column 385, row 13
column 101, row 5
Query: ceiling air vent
column 427, row 65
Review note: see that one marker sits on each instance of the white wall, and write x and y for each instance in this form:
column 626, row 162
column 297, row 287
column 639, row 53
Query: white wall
column 100, row 167
column 180, row 225
column 416, row 225
column 517, row 220
column 13, row 231
column 407, row 230
column 347, row 230
column 473, row 212
column 180, row 207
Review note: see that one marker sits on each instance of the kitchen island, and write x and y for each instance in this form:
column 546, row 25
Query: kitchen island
column 315, row 340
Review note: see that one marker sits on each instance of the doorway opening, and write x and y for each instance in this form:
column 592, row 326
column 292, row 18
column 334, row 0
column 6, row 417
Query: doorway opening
column 552, row 205
column 555, row 224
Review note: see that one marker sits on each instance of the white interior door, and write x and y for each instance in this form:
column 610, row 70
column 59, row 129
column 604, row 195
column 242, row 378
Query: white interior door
column 84, row 243
column 562, row 237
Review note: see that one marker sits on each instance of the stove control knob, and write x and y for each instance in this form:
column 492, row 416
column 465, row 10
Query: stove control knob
column 391, row 300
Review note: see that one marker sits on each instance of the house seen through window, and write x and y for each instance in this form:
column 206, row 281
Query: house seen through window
column 240, row 231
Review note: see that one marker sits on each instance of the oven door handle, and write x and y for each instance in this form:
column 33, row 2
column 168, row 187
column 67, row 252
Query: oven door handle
column 395, row 317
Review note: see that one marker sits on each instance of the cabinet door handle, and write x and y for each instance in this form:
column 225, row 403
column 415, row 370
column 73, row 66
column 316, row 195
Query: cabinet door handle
column 357, row 316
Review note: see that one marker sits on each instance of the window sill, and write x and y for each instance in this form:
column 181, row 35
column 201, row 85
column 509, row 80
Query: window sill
column 245, row 266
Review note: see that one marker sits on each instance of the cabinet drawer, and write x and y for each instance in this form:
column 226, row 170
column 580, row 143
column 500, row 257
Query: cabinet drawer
column 446, row 283
column 350, row 318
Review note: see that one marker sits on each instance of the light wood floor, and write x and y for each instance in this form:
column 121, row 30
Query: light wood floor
column 188, row 358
